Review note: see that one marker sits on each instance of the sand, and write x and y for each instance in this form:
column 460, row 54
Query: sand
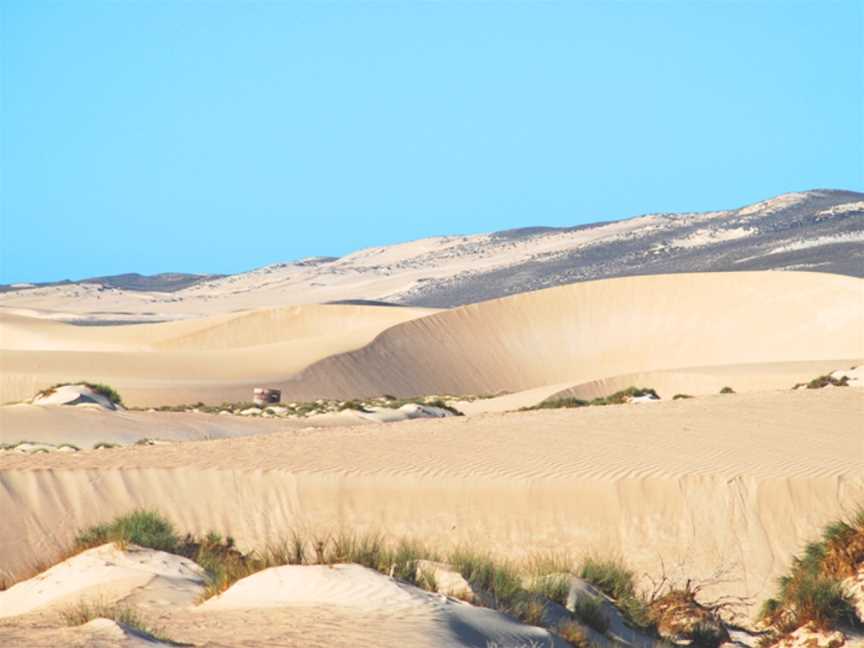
column 567, row 336
column 704, row 483
column 601, row 329
column 215, row 359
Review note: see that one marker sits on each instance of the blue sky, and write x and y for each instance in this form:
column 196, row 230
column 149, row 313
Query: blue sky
column 220, row 136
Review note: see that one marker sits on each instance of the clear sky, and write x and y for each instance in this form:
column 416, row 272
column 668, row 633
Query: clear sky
column 220, row 136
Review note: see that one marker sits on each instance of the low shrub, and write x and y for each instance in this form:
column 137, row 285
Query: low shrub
column 727, row 390
column 681, row 396
column 100, row 388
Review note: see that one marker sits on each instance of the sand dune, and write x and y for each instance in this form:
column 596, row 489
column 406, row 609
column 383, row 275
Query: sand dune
column 565, row 336
column 214, row 359
column 700, row 483
column 600, row 329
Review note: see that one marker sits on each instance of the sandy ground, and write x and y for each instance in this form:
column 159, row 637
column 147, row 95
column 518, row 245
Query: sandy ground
column 704, row 483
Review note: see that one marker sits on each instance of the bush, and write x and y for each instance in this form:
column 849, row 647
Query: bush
column 143, row 528
column 681, row 396
column 812, row 591
column 727, row 390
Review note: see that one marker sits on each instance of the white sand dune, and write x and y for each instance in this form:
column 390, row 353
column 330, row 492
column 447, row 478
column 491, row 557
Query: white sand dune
column 423, row 619
column 106, row 574
column 213, row 359
column 739, row 481
column 601, row 329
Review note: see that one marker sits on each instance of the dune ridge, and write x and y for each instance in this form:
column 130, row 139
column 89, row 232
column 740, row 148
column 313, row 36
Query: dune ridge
column 599, row 329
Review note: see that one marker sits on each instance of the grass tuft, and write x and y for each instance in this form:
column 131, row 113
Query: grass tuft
column 143, row 528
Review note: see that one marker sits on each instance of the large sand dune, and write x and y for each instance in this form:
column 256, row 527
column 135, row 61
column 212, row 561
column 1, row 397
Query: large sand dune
column 600, row 329
column 214, row 359
column 565, row 336
column 739, row 481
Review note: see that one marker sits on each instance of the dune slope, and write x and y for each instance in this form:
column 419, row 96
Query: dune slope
column 594, row 330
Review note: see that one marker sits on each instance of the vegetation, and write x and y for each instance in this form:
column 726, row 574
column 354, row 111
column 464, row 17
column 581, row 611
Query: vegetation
column 85, row 611
column 824, row 381
column 618, row 398
column 681, row 396
column 590, row 612
column 320, row 406
column 143, row 528
column 727, row 390
column 811, row 593
column 103, row 390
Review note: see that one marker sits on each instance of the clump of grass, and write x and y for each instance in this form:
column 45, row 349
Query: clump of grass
column 557, row 403
column 590, row 612
column 555, row 587
column 500, row 580
column 104, row 445
column 812, row 592
column 681, row 396
column 610, row 576
column 618, row 398
column 85, row 611
column 625, row 395
column 727, row 390
column 143, row 528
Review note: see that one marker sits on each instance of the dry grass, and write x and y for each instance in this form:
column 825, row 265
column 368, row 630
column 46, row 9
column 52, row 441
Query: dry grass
column 85, row 611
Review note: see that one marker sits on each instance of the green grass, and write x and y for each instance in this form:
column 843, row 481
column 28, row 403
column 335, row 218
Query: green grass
column 143, row 528
column 610, row 576
column 499, row 579
column 590, row 612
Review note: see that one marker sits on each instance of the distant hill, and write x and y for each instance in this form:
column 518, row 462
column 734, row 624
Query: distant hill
column 162, row 282
column 820, row 230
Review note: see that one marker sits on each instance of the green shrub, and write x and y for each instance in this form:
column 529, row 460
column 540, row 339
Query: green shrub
column 143, row 528
column 727, row 390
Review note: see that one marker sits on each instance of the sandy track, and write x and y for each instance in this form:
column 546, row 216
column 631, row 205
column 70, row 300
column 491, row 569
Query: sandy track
column 717, row 481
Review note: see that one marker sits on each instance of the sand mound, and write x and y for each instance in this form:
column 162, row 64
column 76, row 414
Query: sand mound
column 75, row 395
column 600, row 329
column 106, row 573
column 427, row 619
